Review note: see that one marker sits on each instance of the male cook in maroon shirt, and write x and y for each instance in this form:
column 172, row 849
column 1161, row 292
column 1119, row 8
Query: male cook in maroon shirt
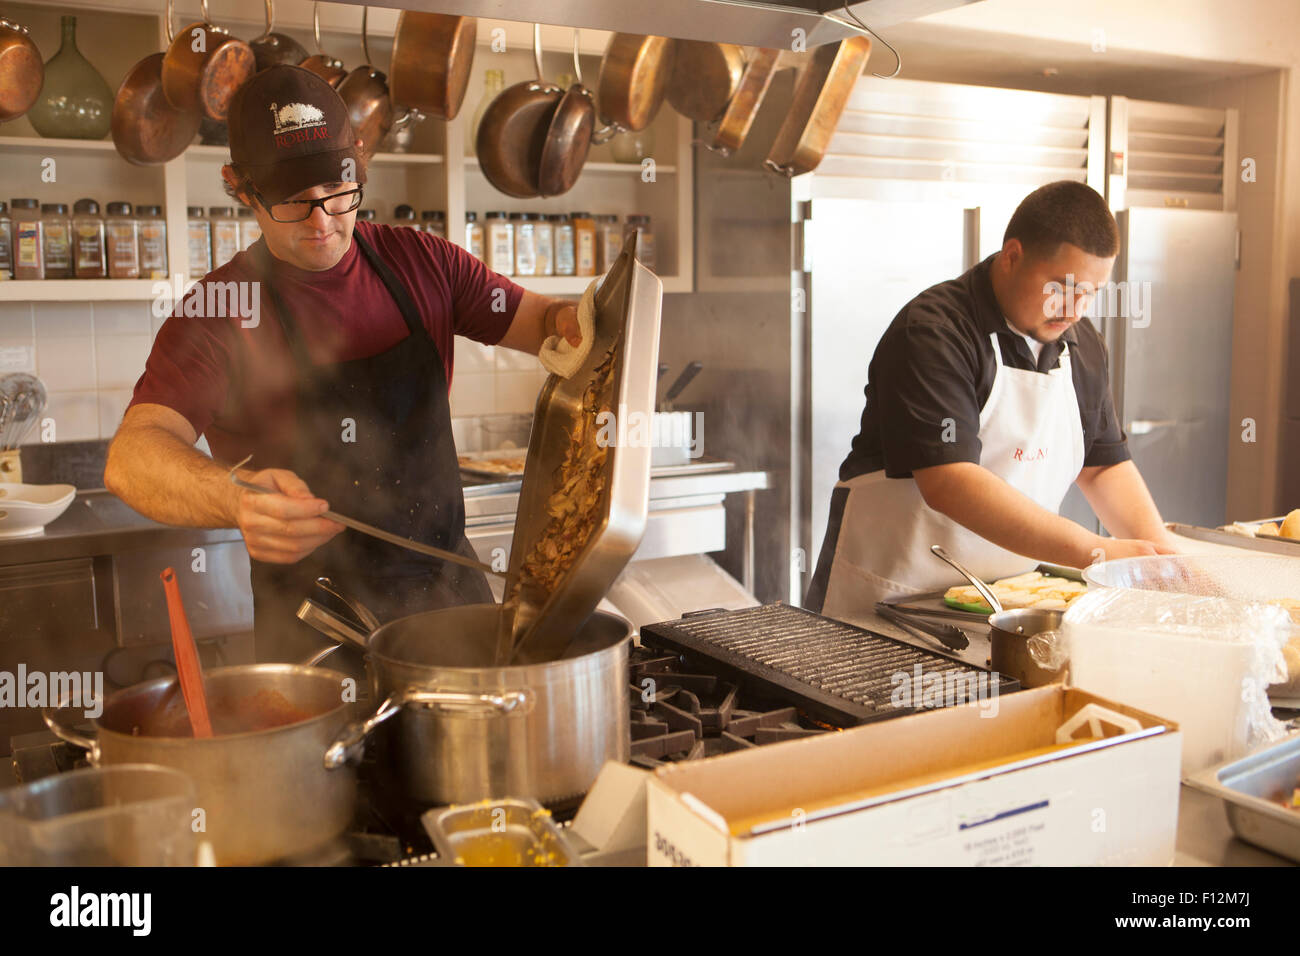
column 336, row 382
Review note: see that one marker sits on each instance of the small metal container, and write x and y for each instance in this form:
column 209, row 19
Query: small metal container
column 1252, row 789
column 1009, row 634
column 506, row 832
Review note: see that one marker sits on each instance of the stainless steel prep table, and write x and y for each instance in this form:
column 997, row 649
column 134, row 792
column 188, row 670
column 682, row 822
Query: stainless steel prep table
column 1204, row 837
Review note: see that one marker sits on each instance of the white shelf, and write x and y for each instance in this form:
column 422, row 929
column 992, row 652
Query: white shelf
column 222, row 153
column 48, row 144
column 76, row 290
column 471, row 162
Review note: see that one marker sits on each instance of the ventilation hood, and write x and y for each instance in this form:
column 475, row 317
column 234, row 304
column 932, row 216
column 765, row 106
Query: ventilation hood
column 749, row 22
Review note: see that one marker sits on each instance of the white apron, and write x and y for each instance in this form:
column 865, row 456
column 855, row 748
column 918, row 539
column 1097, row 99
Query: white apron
column 1031, row 438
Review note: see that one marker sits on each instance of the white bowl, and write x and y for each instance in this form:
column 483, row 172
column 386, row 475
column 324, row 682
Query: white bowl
column 27, row 509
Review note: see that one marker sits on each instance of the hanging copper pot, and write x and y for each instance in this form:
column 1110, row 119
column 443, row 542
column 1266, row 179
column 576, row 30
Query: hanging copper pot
column 328, row 68
column 204, row 66
column 22, row 72
column 147, row 129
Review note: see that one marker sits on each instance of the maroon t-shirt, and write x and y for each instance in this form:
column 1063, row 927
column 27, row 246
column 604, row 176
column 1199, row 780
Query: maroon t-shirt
column 236, row 384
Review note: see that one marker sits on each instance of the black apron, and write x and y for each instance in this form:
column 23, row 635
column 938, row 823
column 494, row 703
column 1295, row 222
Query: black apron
column 399, row 472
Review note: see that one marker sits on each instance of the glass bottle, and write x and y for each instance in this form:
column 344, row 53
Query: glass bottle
column 225, row 235
column 474, row 234
column 500, row 243
column 6, row 243
column 58, row 240
column 29, row 240
column 249, row 229
column 75, row 102
column 494, row 81
column 525, row 243
column 633, row 145
column 404, row 215
column 645, row 242
column 565, row 254
column 366, row 215
column 153, row 242
column 122, row 245
column 545, row 231
column 584, row 244
column 199, row 241
column 434, row 222
column 609, row 241
column 87, row 240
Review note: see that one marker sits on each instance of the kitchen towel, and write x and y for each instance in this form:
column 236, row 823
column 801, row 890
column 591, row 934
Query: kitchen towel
column 561, row 358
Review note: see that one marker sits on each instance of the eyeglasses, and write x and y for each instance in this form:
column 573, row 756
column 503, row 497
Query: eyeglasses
column 296, row 210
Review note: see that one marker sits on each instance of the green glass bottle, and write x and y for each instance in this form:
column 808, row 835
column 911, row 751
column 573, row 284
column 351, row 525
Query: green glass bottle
column 75, row 102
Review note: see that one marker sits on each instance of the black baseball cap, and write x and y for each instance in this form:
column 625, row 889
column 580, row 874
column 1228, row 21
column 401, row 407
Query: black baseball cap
column 289, row 131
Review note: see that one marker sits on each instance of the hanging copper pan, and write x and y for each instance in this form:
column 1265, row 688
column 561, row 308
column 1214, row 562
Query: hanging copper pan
column 273, row 49
column 365, row 91
column 148, row 130
column 513, row 131
column 328, row 68
column 568, row 137
column 432, row 57
column 821, row 92
column 744, row 105
column 203, row 67
column 21, row 71
column 633, row 74
column 703, row 78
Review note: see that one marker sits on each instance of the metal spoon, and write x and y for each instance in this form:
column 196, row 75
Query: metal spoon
column 374, row 532
column 980, row 586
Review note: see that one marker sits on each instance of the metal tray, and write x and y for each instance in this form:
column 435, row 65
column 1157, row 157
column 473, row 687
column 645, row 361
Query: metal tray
column 1248, row 787
column 515, row 456
column 504, row 832
column 628, row 304
column 1269, row 543
column 932, row 604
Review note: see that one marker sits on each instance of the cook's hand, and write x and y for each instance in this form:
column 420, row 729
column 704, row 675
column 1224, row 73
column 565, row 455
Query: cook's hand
column 285, row 527
column 1112, row 548
column 566, row 324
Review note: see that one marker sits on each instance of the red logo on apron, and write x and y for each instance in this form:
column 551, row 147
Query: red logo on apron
column 1038, row 454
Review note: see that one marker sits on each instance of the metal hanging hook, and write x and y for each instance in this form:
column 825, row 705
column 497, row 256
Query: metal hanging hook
column 365, row 42
column 171, row 12
column 898, row 60
column 270, row 21
column 315, row 26
column 537, row 53
column 577, row 66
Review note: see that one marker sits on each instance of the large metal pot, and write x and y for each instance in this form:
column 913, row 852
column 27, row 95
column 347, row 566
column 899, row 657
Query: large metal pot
column 452, row 728
column 265, row 794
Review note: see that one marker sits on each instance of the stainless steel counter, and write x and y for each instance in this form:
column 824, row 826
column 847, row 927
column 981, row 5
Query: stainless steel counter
column 1204, row 837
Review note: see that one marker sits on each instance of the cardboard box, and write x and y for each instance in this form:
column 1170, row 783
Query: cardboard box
column 920, row 791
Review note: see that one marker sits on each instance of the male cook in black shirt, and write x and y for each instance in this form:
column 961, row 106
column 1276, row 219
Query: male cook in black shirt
column 986, row 399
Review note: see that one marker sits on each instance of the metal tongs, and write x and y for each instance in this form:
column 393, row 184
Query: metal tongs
column 372, row 531
column 946, row 634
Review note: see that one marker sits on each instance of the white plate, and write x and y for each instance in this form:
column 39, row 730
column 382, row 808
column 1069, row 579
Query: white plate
column 26, row 509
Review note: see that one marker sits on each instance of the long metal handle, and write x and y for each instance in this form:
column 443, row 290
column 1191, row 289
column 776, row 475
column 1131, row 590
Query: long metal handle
column 350, row 742
column 946, row 634
column 66, row 733
column 979, row 584
column 331, row 625
column 380, row 533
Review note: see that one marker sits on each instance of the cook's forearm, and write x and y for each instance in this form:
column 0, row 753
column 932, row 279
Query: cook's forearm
column 1122, row 501
column 979, row 500
column 165, row 479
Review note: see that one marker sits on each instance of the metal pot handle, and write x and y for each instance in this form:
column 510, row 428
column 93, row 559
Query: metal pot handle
column 65, row 732
column 350, row 742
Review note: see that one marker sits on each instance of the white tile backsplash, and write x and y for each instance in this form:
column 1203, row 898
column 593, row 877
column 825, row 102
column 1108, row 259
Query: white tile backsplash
column 112, row 405
column 75, row 415
column 472, row 393
column 16, row 320
column 122, row 318
column 509, row 360
column 58, row 320
column 516, row 392
column 473, row 357
column 66, row 365
column 119, row 359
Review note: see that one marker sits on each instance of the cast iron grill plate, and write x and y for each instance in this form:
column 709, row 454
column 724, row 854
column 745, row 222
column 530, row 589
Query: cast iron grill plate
column 834, row 672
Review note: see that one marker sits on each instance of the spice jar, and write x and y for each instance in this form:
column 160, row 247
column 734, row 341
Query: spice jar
column 122, row 245
column 87, row 240
column 584, row 244
column 366, row 215
column 404, row 215
column 225, row 235
column 249, row 228
column 474, row 234
column 545, row 245
column 500, row 243
column 565, row 259
column 434, row 222
column 6, row 243
column 645, row 241
column 29, row 240
column 58, row 240
column 199, row 242
column 153, row 242
column 609, row 241
column 525, row 243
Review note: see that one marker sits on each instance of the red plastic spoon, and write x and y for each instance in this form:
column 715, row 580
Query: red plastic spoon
column 187, row 658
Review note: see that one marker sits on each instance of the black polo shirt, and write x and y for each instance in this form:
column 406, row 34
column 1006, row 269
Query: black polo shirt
column 933, row 371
